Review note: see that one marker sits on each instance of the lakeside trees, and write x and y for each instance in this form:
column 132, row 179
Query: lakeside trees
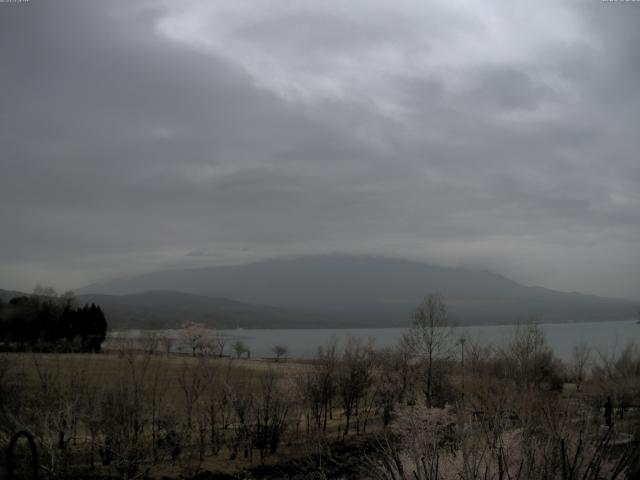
column 46, row 321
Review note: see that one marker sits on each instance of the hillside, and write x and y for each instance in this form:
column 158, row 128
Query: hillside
column 7, row 295
column 370, row 291
column 171, row 309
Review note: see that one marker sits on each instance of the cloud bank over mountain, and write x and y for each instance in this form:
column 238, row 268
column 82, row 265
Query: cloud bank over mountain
column 164, row 134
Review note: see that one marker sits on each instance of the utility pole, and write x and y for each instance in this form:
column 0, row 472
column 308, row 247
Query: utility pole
column 462, row 342
column 462, row 412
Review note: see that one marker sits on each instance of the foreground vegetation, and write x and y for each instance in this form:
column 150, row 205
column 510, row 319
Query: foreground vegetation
column 434, row 407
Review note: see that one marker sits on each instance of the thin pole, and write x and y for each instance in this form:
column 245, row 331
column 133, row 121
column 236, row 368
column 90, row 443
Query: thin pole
column 462, row 341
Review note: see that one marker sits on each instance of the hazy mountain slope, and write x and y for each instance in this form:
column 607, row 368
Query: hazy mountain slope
column 170, row 309
column 364, row 290
column 7, row 295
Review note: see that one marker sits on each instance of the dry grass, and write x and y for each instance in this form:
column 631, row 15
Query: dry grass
column 29, row 368
column 32, row 370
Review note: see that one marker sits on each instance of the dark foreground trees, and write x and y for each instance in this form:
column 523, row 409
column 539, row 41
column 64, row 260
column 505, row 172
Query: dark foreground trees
column 45, row 321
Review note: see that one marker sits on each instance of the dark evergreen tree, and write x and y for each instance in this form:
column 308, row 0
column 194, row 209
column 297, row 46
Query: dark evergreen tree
column 3, row 321
column 48, row 322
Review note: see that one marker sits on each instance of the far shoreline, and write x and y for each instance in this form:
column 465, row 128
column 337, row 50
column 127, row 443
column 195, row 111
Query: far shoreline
column 376, row 327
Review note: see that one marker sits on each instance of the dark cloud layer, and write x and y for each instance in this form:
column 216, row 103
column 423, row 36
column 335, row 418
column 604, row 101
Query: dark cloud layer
column 178, row 133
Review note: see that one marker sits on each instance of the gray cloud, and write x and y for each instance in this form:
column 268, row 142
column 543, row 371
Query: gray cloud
column 171, row 133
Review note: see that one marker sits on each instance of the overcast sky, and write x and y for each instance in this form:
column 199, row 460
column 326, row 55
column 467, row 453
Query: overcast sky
column 139, row 136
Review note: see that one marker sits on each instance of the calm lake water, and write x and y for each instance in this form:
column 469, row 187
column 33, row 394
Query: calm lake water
column 604, row 337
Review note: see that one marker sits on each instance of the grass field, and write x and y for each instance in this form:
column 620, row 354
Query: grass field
column 56, row 393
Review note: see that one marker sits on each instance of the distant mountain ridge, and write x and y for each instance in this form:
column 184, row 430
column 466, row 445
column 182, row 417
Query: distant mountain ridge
column 352, row 291
column 171, row 309
column 7, row 295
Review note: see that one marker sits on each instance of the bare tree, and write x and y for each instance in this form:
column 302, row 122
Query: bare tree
column 354, row 378
column 279, row 351
column 618, row 376
column 529, row 360
column 191, row 378
column 580, row 358
column 220, row 342
column 414, row 449
column 56, row 412
column 239, row 348
column 166, row 342
column 157, row 403
column 271, row 411
column 122, row 419
column 318, row 387
column 327, row 363
column 241, row 401
column 431, row 336
column 406, row 369
column 388, row 385
column 150, row 342
column 216, row 407
column 309, row 386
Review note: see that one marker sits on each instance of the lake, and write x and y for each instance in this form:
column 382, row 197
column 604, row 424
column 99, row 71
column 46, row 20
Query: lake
column 603, row 337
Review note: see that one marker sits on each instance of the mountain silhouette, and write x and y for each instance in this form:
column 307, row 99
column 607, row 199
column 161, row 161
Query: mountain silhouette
column 347, row 290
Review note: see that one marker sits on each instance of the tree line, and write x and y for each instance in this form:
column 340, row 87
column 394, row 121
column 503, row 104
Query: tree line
column 46, row 321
